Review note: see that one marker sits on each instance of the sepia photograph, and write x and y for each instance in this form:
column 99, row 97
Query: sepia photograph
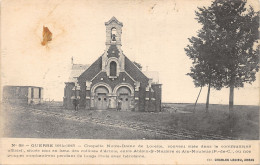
column 69, row 74
column 130, row 70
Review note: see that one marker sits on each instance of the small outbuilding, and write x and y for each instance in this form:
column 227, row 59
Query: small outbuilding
column 22, row 94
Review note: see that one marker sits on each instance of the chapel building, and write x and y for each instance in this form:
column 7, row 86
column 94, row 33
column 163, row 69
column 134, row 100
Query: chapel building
column 113, row 77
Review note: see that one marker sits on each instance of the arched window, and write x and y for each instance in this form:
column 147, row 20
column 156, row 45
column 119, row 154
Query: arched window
column 113, row 68
column 113, row 34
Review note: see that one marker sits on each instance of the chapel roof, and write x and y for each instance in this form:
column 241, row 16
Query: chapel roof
column 92, row 70
column 135, row 72
column 76, row 71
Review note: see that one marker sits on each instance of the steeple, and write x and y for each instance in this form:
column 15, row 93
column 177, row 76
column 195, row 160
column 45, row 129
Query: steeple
column 113, row 32
column 113, row 60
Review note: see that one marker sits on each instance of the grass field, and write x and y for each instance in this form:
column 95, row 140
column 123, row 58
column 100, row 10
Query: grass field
column 244, row 124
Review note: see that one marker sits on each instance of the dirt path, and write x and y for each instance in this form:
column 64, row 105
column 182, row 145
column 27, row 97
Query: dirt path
column 180, row 134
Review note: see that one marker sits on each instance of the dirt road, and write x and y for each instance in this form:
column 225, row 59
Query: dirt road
column 141, row 130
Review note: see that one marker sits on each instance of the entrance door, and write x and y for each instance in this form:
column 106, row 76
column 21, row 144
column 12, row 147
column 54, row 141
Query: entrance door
column 125, row 101
column 102, row 102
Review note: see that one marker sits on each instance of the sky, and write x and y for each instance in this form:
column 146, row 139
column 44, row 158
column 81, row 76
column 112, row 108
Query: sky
column 155, row 34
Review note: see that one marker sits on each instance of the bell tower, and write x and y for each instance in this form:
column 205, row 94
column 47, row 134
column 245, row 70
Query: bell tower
column 113, row 32
column 113, row 60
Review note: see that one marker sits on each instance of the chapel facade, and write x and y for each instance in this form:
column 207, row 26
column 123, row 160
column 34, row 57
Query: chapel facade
column 113, row 77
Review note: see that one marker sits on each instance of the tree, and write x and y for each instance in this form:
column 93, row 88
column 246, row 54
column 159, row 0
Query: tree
column 238, row 27
column 233, row 30
column 203, row 51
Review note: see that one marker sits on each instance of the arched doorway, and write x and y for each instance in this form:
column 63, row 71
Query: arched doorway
column 124, row 94
column 101, row 98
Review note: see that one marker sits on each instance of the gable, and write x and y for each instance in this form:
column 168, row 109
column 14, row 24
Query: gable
column 135, row 72
column 92, row 71
column 113, row 19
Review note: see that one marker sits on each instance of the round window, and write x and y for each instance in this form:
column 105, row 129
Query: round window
column 126, row 99
column 121, row 99
column 99, row 99
column 105, row 99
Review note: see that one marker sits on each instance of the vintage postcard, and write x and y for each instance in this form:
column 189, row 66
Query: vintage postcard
column 130, row 82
